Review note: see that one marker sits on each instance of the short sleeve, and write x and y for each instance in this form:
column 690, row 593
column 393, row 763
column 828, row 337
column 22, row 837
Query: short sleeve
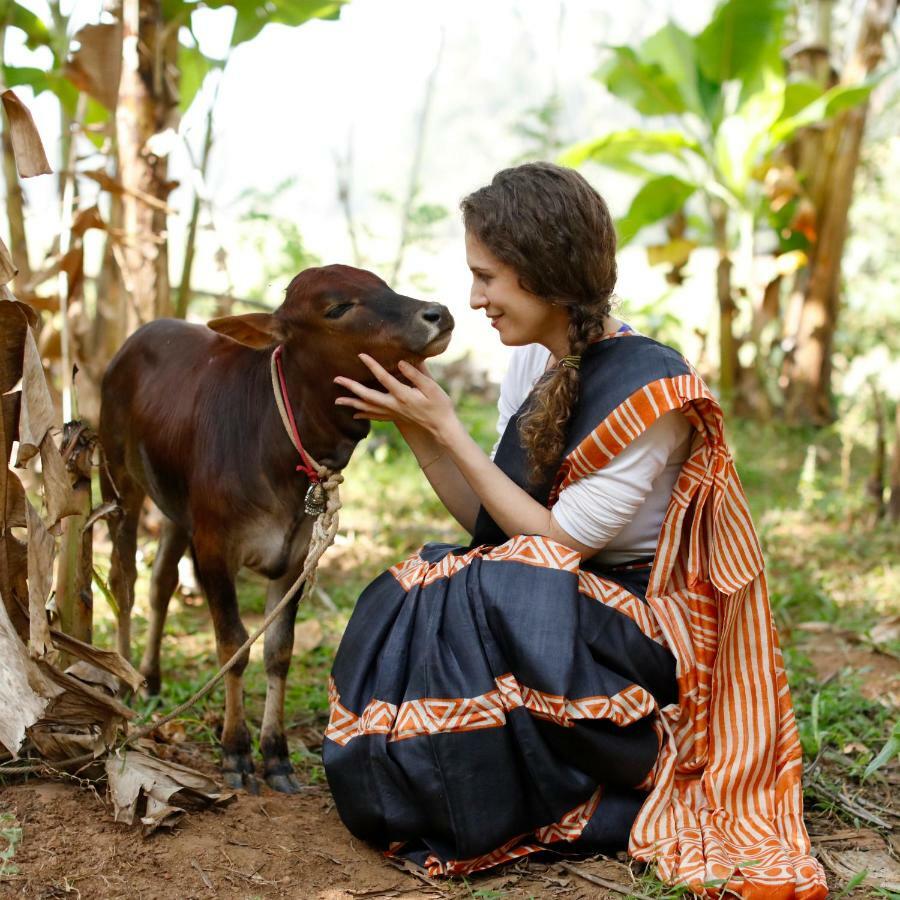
column 596, row 508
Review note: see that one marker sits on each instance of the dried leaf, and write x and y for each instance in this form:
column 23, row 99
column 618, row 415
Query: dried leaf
column 14, row 581
column 87, row 218
column 134, row 776
column 16, row 517
column 27, row 145
column 96, row 66
column 9, row 424
column 8, row 268
column 58, row 493
column 95, row 657
column 881, row 870
column 82, row 706
column 55, row 742
column 21, row 696
column 37, row 415
column 13, row 326
column 41, row 551
column 886, row 631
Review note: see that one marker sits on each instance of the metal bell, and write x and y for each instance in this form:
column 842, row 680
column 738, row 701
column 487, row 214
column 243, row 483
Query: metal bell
column 315, row 501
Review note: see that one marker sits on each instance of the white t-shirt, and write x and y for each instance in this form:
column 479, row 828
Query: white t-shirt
column 621, row 507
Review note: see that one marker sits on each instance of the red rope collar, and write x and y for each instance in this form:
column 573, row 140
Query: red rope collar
column 305, row 465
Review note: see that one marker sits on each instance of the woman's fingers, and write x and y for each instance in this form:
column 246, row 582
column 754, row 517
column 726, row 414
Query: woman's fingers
column 417, row 377
column 361, row 391
column 384, row 377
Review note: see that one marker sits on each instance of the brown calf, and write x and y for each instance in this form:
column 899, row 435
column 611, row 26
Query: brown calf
column 189, row 417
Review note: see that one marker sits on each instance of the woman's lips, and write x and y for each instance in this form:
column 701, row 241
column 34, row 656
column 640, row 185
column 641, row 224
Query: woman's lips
column 495, row 319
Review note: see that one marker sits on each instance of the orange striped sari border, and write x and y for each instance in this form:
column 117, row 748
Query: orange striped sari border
column 631, row 418
column 432, row 715
column 569, row 828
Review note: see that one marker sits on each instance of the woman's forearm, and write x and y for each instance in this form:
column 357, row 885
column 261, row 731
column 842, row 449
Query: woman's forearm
column 442, row 473
column 512, row 508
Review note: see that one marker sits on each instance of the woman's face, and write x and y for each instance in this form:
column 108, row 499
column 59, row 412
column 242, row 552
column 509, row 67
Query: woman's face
column 518, row 316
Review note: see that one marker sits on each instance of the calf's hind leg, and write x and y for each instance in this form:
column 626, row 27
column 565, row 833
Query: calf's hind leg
column 173, row 541
column 279, row 644
column 217, row 581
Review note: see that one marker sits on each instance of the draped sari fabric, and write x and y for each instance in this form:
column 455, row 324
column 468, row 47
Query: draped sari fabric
column 495, row 700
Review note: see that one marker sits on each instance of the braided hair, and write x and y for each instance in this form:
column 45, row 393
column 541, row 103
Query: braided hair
column 555, row 231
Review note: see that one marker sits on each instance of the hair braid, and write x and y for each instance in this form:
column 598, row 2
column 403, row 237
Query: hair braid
column 544, row 426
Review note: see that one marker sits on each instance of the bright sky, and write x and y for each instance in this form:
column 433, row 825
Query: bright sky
column 294, row 98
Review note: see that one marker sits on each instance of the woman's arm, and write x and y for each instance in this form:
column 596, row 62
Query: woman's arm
column 445, row 478
column 425, row 406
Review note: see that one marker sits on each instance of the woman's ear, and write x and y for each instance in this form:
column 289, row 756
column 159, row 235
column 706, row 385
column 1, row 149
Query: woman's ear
column 257, row 330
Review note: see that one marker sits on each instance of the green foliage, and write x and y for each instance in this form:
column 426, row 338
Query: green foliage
column 252, row 17
column 11, row 836
column 644, row 85
column 37, row 34
column 736, row 40
column 622, row 150
column 657, row 199
column 727, row 92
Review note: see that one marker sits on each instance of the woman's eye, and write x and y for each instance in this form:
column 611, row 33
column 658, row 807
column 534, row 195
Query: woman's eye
column 337, row 311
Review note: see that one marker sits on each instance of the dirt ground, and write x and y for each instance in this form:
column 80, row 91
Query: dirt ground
column 296, row 847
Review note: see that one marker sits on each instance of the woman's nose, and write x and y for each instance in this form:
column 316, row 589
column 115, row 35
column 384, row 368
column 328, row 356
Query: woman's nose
column 477, row 300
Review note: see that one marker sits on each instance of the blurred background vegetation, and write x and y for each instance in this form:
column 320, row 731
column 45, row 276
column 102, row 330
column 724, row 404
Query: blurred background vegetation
column 207, row 151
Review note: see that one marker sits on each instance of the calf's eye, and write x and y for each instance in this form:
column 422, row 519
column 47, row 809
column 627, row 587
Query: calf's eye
column 337, row 311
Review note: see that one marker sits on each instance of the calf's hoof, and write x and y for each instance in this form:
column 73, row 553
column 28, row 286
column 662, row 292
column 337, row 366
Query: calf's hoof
column 242, row 781
column 284, row 783
column 239, row 772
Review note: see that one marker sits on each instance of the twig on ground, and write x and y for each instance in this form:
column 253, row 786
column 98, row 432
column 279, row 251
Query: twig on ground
column 602, row 882
column 203, row 874
column 850, row 806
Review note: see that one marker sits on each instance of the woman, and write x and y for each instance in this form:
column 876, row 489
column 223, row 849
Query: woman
column 598, row 669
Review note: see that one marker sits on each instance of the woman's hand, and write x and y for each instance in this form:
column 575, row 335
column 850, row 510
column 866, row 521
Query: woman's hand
column 421, row 403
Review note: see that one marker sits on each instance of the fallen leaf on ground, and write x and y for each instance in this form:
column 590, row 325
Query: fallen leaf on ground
column 883, row 871
column 149, row 788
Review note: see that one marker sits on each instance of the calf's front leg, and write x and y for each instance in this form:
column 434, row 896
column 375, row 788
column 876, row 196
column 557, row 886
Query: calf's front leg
column 279, row 644
column 217, row 581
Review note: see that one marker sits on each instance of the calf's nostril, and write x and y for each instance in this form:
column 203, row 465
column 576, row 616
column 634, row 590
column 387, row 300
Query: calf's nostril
column 433, row 315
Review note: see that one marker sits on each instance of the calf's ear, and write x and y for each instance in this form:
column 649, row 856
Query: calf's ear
column 257, row 330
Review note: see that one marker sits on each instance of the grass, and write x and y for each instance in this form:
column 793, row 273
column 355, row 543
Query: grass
column 10, row 838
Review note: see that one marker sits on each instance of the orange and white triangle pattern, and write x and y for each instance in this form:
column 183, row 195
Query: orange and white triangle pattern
column 616, row 597
column 532, row 550
column 432, row 715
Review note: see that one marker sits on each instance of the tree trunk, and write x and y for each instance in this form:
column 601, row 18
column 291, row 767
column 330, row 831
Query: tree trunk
column 728, row 359
column 894, row 503
column 147, row 106
column 875, row 484
column 74, row 596
column 808, row 370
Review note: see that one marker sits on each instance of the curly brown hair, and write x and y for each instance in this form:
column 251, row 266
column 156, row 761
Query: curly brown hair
column 555, row 231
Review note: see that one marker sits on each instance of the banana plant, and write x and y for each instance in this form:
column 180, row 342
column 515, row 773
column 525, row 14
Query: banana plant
column 725, row 105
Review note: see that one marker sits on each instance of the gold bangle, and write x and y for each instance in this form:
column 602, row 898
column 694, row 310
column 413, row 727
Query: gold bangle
column 431, row 462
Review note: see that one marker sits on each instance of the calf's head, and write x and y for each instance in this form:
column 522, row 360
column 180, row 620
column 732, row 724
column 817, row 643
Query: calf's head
column 336, row 312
